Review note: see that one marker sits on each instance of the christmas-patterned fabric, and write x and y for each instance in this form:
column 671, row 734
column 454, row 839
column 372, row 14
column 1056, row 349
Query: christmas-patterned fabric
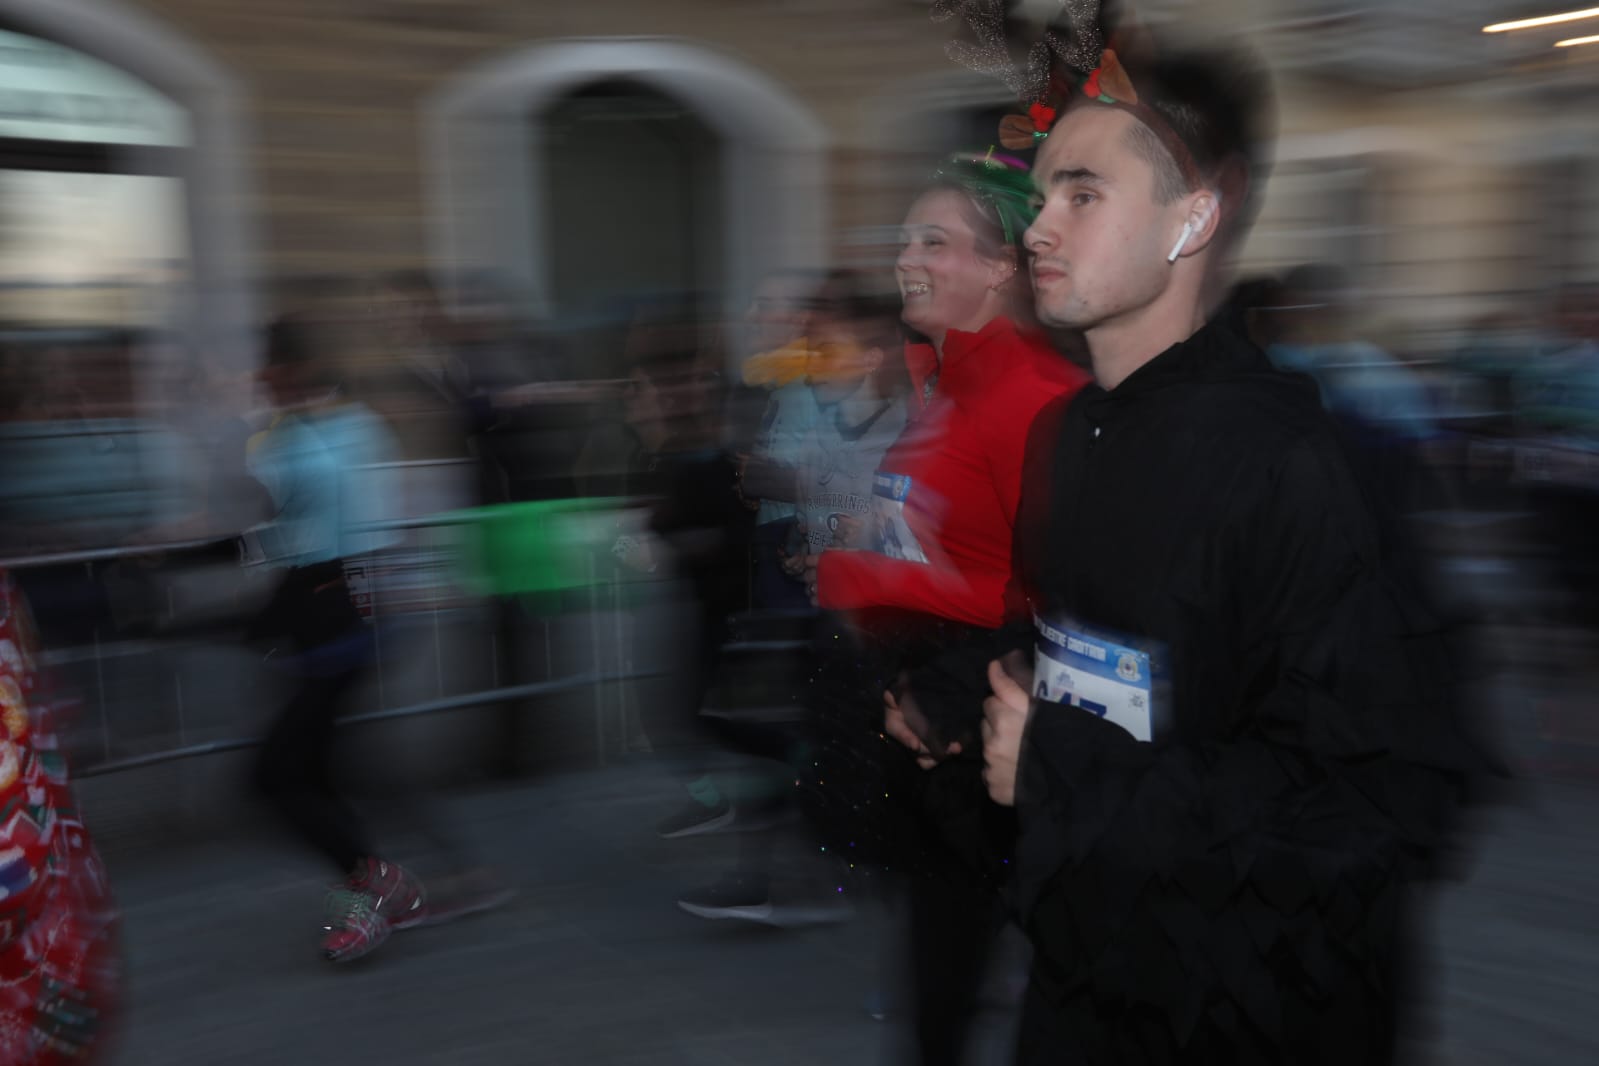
column 58, row 960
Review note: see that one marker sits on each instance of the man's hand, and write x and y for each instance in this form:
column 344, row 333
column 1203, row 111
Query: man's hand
column 1004, row 722
column 905, row 723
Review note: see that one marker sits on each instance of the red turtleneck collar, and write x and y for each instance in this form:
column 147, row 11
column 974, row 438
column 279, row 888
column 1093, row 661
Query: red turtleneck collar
column 959, row 368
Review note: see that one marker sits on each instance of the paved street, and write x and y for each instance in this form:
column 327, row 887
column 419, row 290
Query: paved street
column 592, row 963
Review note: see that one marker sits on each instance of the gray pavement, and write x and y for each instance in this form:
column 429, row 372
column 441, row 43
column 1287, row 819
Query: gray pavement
column 591, row 963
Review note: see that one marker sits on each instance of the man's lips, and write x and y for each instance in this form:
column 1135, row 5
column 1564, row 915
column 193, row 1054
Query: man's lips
column 1044, row 274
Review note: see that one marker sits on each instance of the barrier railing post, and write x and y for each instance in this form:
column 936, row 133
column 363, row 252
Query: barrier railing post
column 433, row 607
column 599, row 664
column 624, row 656
column 611, row 672
column 99, row 682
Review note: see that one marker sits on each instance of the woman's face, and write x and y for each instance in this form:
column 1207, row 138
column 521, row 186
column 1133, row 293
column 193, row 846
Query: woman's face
column 944, row 280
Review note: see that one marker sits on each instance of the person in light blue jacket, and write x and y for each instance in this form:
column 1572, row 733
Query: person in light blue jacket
column 316, row 462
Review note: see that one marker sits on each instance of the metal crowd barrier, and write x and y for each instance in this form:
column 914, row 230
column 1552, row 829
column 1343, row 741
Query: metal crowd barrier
column 603, row 600
column 427, row 594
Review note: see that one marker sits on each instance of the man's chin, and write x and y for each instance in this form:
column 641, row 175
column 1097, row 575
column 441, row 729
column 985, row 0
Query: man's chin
column 1055, row 318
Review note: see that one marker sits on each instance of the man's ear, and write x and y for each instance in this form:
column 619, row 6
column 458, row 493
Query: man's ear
column 1204, row 215
column 1201, row 222
column 873, row 358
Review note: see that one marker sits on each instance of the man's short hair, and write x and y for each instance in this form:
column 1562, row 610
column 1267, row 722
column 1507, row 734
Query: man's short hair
column 1216, row 100
column 1169, row 181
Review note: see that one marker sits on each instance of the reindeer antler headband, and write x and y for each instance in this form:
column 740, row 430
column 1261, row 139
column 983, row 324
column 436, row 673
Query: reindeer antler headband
column 1071, row 54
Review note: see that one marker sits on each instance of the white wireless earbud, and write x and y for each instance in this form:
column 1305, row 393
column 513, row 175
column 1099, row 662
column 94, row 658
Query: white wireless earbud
column 1182, row 238
column 1182, row 241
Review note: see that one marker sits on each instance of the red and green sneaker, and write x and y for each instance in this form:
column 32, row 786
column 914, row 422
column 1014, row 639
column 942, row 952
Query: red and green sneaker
column 361, row 913
column 353, row 927
column 398, row 896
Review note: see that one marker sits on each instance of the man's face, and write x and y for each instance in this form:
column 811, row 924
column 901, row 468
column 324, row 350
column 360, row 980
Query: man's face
column 1100, row 242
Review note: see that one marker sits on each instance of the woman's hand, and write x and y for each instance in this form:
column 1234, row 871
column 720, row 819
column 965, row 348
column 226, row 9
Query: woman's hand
column 811, row 576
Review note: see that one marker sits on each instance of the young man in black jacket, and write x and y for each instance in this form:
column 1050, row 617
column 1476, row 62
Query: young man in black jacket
column 1231, row 743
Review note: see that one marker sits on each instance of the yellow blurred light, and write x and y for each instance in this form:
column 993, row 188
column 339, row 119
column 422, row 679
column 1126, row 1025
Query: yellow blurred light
column 1571, row 42
column 1542, row 20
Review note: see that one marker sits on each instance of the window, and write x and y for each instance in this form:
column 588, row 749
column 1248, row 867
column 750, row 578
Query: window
column 93, row 227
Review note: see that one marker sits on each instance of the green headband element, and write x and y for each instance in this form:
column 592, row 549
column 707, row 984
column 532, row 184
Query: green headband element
column 1000, row 182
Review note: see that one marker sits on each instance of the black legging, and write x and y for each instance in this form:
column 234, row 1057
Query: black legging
column 294, row 770
column 954, row 925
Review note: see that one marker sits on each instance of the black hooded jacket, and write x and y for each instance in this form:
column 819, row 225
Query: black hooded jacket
column 1233, row 888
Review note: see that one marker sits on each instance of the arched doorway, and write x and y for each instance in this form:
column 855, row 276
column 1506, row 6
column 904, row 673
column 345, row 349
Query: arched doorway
column 489, row 131
column 633, row 204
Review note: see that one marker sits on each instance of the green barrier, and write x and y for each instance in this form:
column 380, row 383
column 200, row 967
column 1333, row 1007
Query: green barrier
column 544, row 546
column 549, row 553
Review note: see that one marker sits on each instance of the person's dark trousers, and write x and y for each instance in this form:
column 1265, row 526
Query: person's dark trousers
column 519, row 664
column 781, row 746
column 294, row 771
column 316, row 633
column 953, row 927
column 774, row 590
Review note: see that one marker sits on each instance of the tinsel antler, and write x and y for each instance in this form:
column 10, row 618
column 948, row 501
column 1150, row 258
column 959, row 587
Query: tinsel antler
column 1078, row 47
column 990, row 54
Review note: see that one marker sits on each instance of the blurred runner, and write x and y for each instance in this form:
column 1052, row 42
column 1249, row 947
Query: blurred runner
column 930, row 580
column 311, row 461
column 855, row 373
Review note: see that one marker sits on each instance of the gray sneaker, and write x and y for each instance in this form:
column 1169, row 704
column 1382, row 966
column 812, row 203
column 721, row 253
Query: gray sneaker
column 745, row 898
column 696, row 818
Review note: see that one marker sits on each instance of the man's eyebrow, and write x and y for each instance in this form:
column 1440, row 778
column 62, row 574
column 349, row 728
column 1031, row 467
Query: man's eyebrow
column 1075, row 176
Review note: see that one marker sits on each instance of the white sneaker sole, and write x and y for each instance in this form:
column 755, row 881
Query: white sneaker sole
column 710, row 825
column 760, row 912
column 798, row 917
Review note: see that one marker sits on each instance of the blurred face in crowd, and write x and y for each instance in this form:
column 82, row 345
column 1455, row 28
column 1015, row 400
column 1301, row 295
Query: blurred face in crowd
column 1101, row 239
column 950, row 274
column 673, row 401
column 840, row 364
column 642, row 402
column 779, row 313
column 1577, row 313
column 409, row 316
column 281, row 384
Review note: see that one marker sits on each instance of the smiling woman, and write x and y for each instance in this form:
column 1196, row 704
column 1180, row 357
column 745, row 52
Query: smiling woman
column 980, row 373
column 959, row 261
column 944, row 503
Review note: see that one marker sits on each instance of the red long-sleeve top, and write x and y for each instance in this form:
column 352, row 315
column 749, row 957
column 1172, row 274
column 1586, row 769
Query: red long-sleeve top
column 963, row 453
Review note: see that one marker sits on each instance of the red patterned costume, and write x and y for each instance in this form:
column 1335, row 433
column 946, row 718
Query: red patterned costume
column 58, row 961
